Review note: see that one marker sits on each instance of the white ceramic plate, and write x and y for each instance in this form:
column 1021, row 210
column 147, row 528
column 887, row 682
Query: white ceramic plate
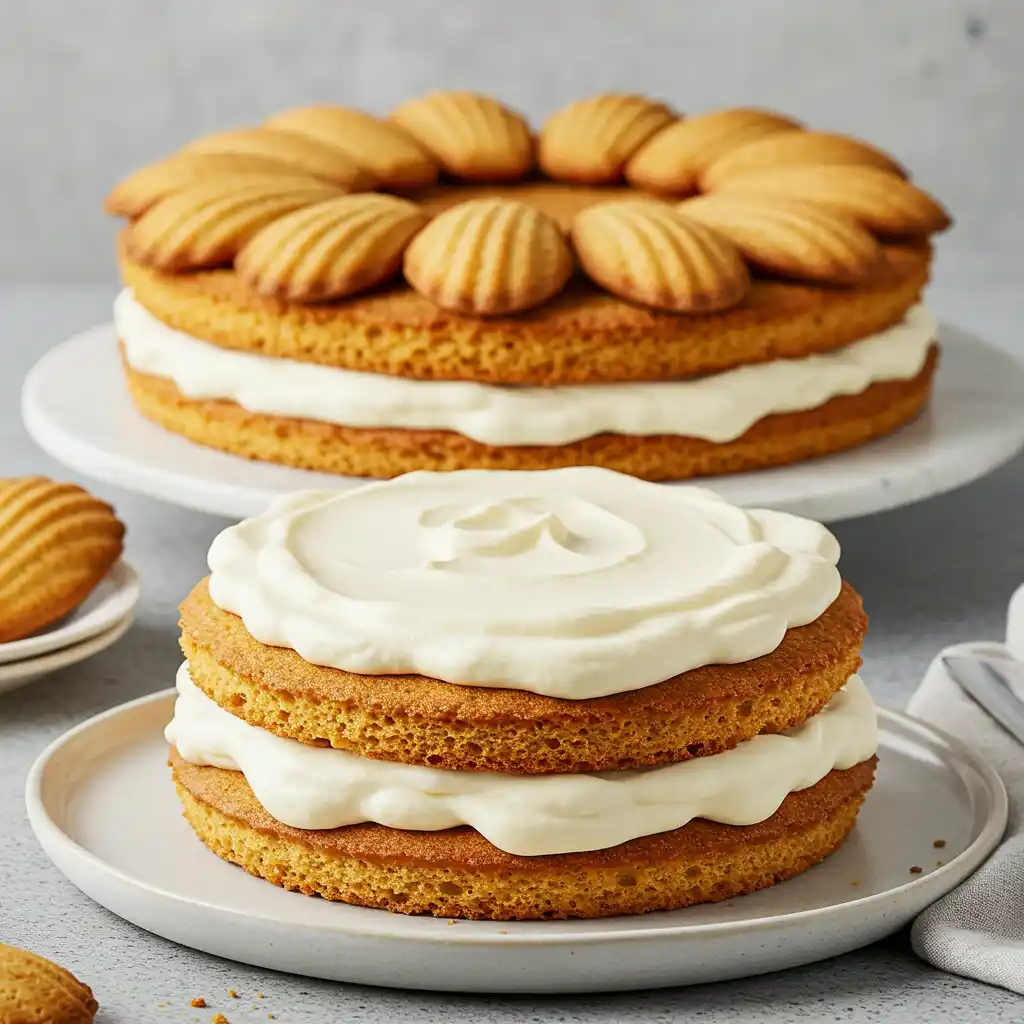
column 101, row 802
column 76, row 407
column 113, row 599
column 17, row 673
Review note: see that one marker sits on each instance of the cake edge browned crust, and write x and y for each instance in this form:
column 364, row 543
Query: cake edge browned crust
column 418, row 720
column 459, row 874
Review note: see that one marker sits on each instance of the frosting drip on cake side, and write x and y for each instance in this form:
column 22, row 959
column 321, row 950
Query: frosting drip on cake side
column 320, row 788
column 718, row 408
column 575, row 583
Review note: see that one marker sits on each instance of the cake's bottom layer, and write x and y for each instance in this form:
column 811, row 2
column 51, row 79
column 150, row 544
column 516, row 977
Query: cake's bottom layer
column 457, row 873
column 776, row 440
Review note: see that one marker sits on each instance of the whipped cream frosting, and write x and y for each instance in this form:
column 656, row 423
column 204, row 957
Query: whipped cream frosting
column 529, row 815
column 575, row 583
column 718, row 408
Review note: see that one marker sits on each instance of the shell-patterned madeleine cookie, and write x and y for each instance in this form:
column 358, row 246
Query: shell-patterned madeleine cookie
column 590, row 141
column 472, row 137
column 797, row 149
column 205, row 225
column 883, row 203
column 790, row 237
column 332, row 249
column 56, row 543
column 673, row 160
column 140, row 190
column 392, row 155
column 648, row 253
column 34, row 990
column 489, row 257
column 304, row 154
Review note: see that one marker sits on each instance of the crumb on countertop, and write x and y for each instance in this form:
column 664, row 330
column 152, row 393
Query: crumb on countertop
column 219, row 1018
column 199, row 1003
column 232, row 993
column 856, row 881
column 915, row 870
column 259, row 995
column 939, row 844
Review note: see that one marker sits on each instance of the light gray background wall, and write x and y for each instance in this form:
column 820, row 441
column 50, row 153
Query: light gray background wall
column 93, row 88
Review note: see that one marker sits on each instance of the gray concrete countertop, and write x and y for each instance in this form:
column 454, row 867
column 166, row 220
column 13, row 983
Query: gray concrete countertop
column 930, row 574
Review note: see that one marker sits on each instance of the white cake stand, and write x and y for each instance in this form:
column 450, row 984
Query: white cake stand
column 76, row 407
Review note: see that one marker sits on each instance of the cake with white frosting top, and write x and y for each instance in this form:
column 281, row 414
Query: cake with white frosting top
column 518, row 695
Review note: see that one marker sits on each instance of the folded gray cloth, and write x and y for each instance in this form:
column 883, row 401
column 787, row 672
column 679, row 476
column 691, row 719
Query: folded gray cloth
column 977, row 930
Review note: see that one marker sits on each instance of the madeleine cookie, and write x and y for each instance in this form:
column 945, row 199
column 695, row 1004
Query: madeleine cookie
column 489, row 257
column 56, row 543
column 34, row 990
column 648, row 253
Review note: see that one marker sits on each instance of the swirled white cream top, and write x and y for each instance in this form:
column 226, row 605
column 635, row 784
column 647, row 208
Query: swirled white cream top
column 319, row 788
column 575, row 583
column 718, row 408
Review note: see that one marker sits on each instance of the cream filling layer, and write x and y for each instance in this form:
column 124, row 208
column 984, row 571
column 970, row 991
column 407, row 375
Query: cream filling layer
column 575, row 583
column 528, row 815
column 718, row 408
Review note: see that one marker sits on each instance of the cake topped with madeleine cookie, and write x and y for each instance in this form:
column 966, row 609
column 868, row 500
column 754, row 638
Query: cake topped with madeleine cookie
column 669, row 295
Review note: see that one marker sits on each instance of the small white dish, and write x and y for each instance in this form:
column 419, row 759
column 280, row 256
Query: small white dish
column 101, row 802
column 113, row 600
column 76, row 407
column 17, row 673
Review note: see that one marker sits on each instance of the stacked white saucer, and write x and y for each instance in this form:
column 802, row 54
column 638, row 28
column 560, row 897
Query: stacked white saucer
column 102, row 619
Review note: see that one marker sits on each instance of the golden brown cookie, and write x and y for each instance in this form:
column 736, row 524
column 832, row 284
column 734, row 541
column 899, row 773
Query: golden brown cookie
column 34, row 990
column 777, row 440
column 307, row 155
column 790, row 237
column 457, row 873
column 673, row 160
column 391, row 155
column 140, row 190
column 785, row 149
column 332, row 249
column 649, row 253
column 56, row 543
column 472, row 136
column 489, row 257
column 883, row 203
column 426, row 721
column 206, row 224
column 583, row 335
column 589, row 141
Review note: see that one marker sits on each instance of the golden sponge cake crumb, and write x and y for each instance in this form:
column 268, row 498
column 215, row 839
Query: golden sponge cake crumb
column 457, row 873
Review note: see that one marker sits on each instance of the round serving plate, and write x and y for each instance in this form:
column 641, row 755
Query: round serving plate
column 101, row 802
column 18, row 673
column 76, row 407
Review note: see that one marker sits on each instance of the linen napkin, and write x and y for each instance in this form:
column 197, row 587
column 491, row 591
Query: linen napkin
column 977, row 930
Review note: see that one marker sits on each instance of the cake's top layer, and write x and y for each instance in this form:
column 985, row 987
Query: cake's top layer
column 583, row 336
column 719, row 407
column 574, row 583
column 315, row 788
column 292, row 204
